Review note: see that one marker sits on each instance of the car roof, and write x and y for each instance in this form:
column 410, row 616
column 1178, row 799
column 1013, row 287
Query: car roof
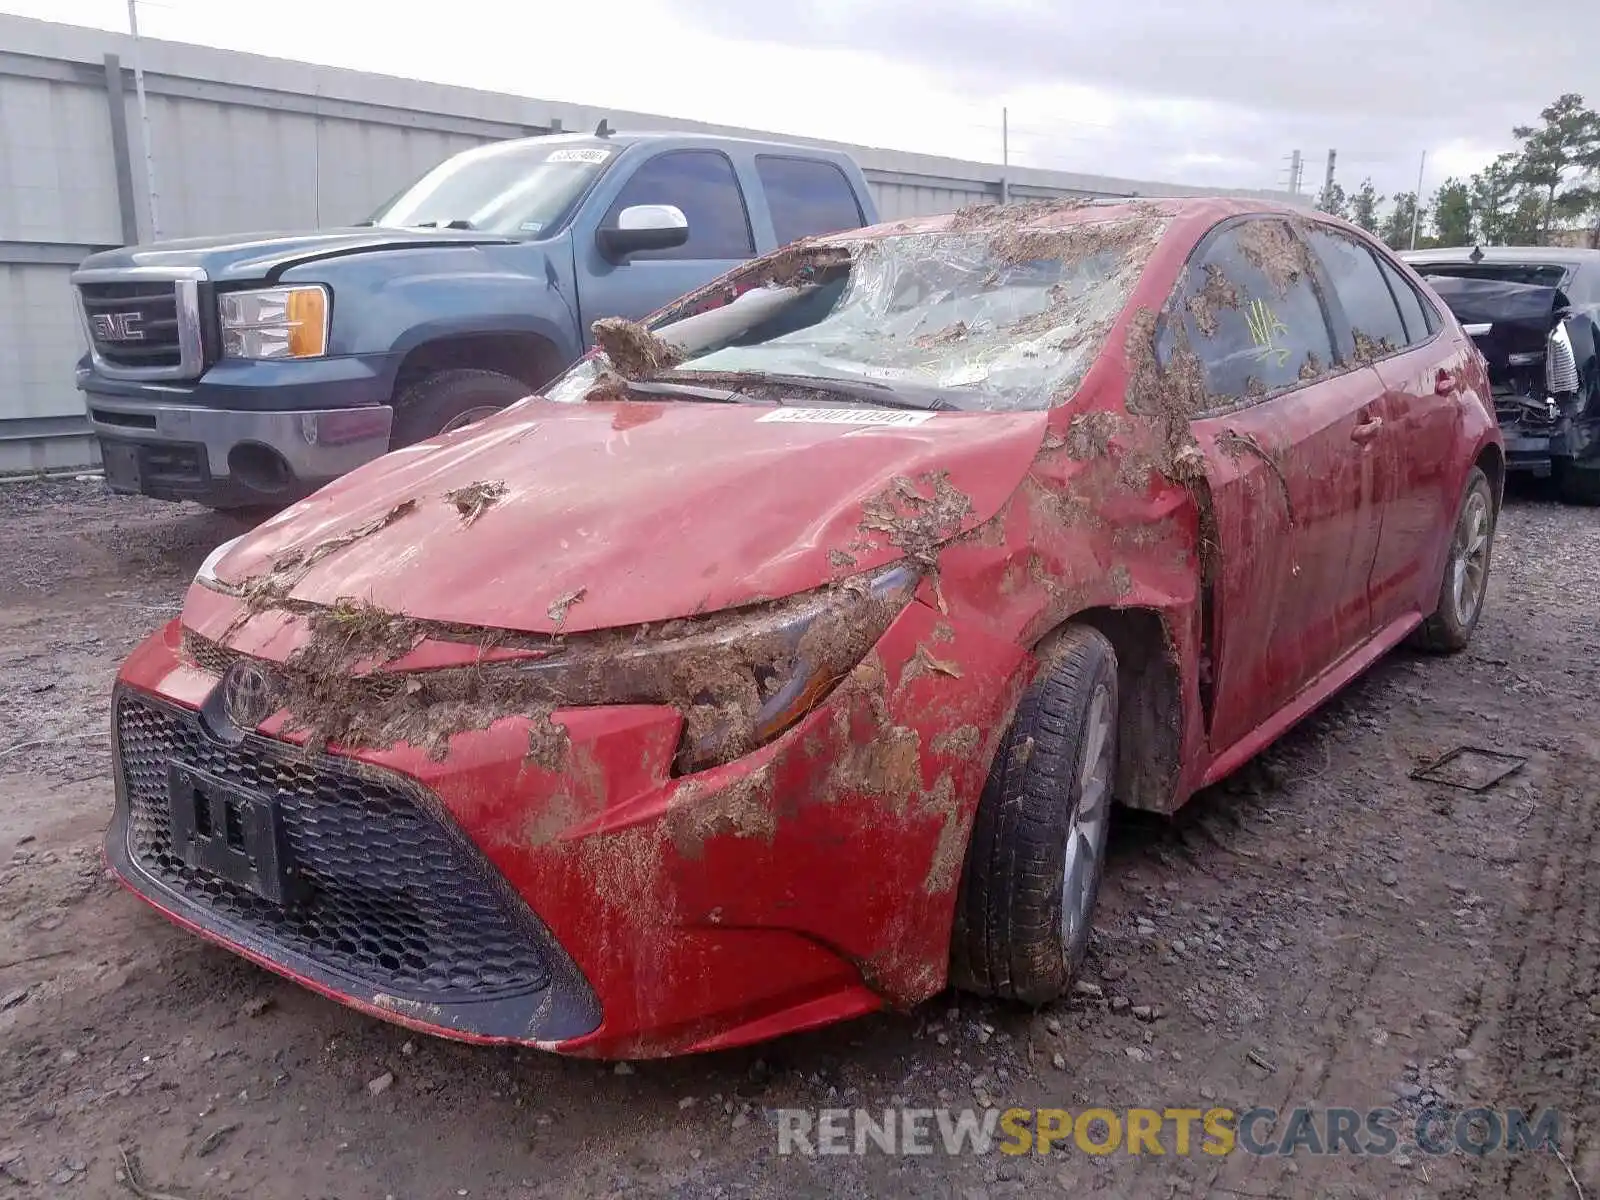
column 1070, row 210
column 1568, row 256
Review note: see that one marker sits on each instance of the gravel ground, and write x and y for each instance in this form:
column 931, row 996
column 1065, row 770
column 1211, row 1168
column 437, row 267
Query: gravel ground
column 1323, row 930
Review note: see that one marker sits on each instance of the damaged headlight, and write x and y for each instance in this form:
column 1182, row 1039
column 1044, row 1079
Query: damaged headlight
column 741, row 679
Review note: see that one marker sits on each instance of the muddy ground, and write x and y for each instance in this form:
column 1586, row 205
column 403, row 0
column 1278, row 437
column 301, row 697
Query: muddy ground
column 1325, row 931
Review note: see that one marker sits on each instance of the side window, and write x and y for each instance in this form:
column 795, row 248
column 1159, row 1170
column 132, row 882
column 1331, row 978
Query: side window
column 806, row 196
column 1413, row 308
column 703, row 185
column 1251, row 313
column 1375, row 326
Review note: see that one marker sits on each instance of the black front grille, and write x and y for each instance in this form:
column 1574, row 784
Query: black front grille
column 396, row 899
column 133, row 324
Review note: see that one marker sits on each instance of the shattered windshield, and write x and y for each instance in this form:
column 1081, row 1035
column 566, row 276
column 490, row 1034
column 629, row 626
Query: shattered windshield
column 1000, row 324
column 993, row 314
column 517, row 189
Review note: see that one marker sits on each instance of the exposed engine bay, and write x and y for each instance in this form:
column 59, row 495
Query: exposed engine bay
column 1544, row 364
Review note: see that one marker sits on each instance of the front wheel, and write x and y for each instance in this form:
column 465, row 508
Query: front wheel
column 1466, row 571
column 449, row 400
column 1038, row 844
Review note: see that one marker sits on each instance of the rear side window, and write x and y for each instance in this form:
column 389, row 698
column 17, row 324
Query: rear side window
column 1376, row 329
column 806, row 197
column 1251, row 313
column 1414, row 310
column 702, row 183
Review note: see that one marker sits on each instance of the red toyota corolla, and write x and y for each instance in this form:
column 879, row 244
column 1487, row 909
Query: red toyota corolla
column 783, row 661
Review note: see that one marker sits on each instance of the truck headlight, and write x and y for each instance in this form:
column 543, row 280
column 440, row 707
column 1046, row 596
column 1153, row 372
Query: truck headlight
column 286, row 322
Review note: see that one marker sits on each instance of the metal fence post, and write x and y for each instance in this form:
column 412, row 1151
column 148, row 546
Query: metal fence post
column 117, row 109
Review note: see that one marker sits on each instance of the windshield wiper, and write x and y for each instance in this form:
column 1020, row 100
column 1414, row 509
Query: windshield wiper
column 456, row 223
column 682, row 391
column 887, row 395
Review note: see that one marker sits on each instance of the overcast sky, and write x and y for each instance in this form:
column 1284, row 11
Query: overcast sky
column 1208, row 92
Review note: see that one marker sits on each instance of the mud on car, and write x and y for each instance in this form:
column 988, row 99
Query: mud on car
column 783, row 661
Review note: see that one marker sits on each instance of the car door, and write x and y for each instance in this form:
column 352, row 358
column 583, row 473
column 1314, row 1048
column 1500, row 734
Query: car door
column 1288, row 477
column 705, row 186
column 1384, row 322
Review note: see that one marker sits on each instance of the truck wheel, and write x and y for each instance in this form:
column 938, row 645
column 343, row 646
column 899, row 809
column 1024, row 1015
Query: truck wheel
column 1038, row 844
column 450, row 400
column 1577, row 484
column 1466, row 572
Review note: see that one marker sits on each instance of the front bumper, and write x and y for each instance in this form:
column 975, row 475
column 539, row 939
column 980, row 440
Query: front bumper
column 808, row 882
column 227, row 458
column 246, row 433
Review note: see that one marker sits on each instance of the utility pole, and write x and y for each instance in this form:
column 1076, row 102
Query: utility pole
column 1005, row 156
column 1327, row 178
column 1296, row 168
column 144, row 117
column 1416, row 209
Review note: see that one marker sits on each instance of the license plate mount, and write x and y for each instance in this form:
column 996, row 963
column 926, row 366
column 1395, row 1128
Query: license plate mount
column 120, row 461
column 231, row 832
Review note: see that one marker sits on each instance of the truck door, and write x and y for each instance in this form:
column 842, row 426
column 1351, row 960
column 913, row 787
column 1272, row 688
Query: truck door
column 705, row 186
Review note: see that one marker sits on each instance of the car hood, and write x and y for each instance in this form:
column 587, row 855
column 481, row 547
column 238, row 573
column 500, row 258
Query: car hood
column 255, row 256
column 571, row 517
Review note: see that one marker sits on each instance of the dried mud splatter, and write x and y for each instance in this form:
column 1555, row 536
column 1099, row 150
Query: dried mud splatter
column 745, row 808
column 1217, row 293
column 472, row 501
column 634, row 351
column 1234, row 444
column 917, row 515
column 562, row 604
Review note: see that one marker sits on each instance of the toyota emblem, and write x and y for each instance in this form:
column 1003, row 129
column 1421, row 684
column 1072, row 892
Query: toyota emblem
column 247, row 694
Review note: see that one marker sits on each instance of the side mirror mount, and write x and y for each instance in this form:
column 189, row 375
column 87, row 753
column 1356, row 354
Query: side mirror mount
column 643, row 227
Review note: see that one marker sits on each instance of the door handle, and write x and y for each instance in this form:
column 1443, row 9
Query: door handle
column 1366, row 430
column 1444, row 383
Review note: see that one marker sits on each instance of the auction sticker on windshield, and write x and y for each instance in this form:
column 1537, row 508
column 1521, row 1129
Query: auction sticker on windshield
column 847, row 416
column 579, row 154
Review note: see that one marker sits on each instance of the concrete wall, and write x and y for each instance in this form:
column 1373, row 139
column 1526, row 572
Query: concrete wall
column 243, row 142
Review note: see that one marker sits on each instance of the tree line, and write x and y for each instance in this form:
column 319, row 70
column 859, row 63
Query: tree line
column 1548, row 188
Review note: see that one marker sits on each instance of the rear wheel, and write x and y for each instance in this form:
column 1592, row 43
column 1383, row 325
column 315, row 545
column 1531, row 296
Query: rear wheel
column 1466, row 571
column 449, row 400
column 1038, row 845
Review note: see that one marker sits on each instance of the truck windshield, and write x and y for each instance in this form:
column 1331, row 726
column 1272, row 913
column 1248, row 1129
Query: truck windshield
column 519, row 189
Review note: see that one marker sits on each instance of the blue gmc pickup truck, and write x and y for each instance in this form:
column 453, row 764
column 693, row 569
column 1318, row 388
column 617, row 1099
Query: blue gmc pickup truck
column 247, row 370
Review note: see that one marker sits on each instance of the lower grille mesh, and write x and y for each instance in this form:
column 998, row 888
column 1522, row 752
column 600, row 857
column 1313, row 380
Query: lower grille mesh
column 397, row 899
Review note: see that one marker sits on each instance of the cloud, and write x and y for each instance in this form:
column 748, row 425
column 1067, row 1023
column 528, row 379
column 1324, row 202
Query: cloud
column 1234, row 84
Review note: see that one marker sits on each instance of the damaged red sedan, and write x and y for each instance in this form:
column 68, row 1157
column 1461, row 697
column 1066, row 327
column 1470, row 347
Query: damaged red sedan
column 782, row 661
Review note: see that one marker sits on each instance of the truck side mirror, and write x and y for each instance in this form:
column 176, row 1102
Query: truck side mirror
column 643, row 227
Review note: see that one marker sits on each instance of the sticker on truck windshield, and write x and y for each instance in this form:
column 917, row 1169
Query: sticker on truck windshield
column 580, row 154
column 847, row 416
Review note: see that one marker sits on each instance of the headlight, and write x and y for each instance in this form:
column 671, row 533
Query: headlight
column 206, row 576
column 288, row 322
column 740, row 679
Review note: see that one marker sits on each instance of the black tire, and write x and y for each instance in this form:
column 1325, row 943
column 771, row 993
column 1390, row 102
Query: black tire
column 428, row 406
column 1576, row 484
column 1450, row 628
column 1009, row 939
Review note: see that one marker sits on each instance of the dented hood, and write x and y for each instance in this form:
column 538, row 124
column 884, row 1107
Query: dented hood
column 616, row 514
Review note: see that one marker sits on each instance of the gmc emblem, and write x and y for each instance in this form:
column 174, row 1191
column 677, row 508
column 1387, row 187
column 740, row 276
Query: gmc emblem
column 117, row 327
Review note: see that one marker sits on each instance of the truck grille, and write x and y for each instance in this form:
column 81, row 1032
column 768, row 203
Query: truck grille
column 133, row 324
column 395, row 897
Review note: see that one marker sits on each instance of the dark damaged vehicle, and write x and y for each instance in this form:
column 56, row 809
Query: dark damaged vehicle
column 1534, row 313
column 783, row 661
